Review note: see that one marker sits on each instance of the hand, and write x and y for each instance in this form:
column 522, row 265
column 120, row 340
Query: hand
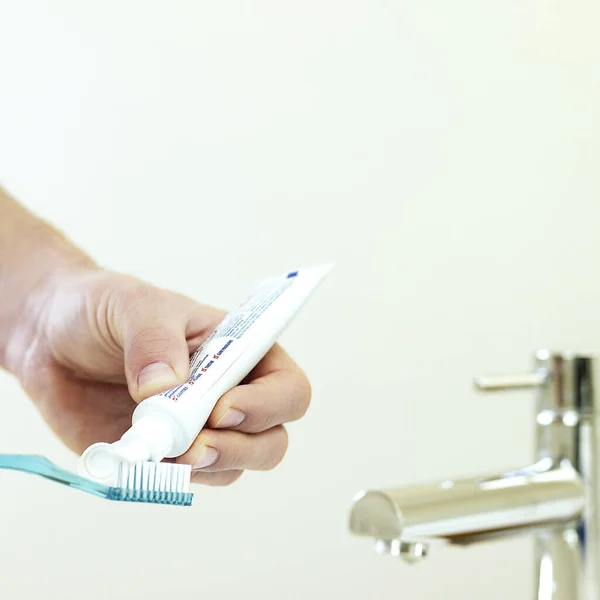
column 101, row 342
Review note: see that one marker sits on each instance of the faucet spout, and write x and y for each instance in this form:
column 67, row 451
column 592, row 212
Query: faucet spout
column 468, row 510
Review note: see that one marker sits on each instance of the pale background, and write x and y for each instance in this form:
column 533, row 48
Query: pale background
column 444, row 154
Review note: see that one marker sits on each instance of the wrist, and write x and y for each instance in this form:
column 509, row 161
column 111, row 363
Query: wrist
column 33, row 255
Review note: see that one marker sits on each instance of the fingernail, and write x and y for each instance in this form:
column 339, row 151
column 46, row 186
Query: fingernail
column 208, row 456
column 156, row 377
column 231, row 418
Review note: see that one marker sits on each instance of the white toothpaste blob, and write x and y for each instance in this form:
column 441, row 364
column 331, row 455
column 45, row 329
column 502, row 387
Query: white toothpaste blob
column 165, row 425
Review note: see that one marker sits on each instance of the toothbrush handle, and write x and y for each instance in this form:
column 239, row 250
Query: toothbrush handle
column 40, row 465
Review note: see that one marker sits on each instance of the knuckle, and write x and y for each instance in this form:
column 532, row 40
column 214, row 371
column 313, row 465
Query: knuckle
column 149, row 336
column 260, row 421
column 276, row 449
column 150, row 343
column 302, row 397
column 233, row 457
column 133, row 298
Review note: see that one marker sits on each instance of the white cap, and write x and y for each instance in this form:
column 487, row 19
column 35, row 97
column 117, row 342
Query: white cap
column 149, row 438
column 100, row 464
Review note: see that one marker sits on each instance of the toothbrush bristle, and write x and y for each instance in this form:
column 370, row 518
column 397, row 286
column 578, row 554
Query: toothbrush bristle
column 158, row 483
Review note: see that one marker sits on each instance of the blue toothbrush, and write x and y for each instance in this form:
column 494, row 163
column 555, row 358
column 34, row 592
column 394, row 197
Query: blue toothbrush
column 157, row 483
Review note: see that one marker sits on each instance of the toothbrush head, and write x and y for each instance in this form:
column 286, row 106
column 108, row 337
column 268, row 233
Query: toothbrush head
column 134, row 480
column 157, row 483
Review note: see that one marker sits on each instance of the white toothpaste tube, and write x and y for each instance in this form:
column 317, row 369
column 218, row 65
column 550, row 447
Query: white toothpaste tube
column 165, row 425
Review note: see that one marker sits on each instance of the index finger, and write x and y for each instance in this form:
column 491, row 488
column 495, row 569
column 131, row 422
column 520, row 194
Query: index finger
column 276, row 392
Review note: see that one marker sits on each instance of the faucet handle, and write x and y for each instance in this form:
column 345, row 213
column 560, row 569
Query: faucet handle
column 500, row 383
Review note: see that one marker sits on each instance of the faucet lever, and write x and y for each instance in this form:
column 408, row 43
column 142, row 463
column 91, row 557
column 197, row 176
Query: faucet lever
column 498, row 383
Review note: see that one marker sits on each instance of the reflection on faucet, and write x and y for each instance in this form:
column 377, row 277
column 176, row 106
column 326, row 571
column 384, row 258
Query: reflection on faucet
column 554, row 499
column 469, row 510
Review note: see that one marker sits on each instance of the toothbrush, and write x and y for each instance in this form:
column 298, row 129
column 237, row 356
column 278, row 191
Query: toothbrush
column 157, row 483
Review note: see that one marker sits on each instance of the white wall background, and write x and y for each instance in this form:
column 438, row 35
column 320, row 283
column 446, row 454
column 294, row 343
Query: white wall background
column 445, row 154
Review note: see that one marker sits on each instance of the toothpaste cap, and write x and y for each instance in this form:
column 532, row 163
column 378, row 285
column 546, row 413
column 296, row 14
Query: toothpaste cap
column 149, row 438
column 99, row 463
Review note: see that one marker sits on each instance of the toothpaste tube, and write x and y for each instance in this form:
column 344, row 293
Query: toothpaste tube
column 165, row 425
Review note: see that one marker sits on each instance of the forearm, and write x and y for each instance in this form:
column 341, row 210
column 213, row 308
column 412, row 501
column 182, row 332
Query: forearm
column 32, row 253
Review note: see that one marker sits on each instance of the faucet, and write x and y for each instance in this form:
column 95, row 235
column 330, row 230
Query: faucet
column 554, row 499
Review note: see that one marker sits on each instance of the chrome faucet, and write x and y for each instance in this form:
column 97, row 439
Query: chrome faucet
column 555, row 498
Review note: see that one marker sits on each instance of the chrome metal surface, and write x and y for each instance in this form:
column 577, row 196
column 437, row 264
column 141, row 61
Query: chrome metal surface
column 555, row 499
column 499, row 383
column 409, row 552
column 456, row 511
column 412, row 552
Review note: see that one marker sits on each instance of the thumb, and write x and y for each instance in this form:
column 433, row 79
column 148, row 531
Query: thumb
column 155, row 348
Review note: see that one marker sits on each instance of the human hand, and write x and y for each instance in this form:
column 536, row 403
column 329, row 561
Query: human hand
column 96, row 343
